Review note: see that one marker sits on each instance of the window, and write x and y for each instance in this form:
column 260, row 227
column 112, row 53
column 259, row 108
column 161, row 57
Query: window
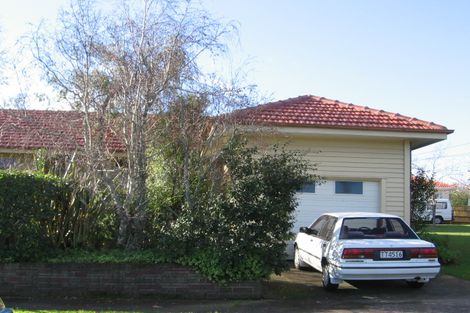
column 349, row 187
column 6, row 163
column 317, row 226
column 327, row 230
column 395, row 225
column 357, row 223
column 308, row 188
column 375, row 228
column 439, row 206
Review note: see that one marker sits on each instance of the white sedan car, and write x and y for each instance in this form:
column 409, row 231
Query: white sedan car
column 365, row 246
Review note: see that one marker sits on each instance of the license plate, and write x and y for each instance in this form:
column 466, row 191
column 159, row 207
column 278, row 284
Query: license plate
column 391, row 254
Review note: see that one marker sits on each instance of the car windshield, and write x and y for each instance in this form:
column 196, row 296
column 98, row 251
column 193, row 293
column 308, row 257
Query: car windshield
column 375, row 228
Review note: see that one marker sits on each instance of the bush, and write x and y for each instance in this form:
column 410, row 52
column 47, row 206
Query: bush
column 236, row 229
column 446, row 255
column 29, row 204
column 239, row 232
column 112, row 256
column 41, row 213
column 460, row 197
column 422, row 192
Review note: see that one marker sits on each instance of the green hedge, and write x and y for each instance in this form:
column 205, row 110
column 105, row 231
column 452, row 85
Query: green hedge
column 42, row 214
column 236, row 230
column 30, row 203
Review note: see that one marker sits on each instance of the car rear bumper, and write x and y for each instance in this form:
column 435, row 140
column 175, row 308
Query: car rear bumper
column 411, row 272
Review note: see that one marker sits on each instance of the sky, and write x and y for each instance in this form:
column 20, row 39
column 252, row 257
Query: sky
column 402, row 56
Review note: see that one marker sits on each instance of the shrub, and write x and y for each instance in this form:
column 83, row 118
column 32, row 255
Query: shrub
column 40, row 213
column 422, row 191
column 446, row 255
column 112, row 256
column 29, row 205
column 240, row 231
column 223, row 266
column 236, row 229
column 460, row 197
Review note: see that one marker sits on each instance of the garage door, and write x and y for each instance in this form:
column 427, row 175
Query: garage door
column 335, row 196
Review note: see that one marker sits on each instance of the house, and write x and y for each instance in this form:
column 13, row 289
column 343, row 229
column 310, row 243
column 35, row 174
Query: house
column 363, row 154
column 443, row 190
column 24, row 132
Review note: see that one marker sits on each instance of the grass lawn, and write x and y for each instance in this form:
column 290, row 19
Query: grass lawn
column 87, row 311
column 56, row 311
column 458, row 238
column 92, row 311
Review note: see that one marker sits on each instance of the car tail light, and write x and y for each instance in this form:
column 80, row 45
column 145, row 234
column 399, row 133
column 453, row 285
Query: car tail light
column 423, row 253
column 355, row 253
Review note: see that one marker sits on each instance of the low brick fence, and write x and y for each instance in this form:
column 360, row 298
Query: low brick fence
column 462, row 215
column 82, row 280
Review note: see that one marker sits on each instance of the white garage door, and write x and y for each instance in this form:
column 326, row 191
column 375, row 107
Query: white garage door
column 335, row 196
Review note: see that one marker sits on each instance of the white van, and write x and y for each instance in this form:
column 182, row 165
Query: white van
column 444, row 211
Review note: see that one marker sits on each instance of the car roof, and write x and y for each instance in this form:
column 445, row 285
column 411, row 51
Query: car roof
column 359, row 214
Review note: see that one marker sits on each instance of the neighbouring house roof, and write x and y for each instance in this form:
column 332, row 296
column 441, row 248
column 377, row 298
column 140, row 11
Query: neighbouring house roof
column 444, row 186
column 35, row 129
column 441, row 185
column 313, row 111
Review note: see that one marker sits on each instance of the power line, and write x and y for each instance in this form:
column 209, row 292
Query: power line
column 444, row 157
column 446, row 148
column 459, row 145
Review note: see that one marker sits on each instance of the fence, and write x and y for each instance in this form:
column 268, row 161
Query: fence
column 462, row 215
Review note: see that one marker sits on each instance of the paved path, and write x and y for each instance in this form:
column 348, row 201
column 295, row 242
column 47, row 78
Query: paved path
column 297, row 292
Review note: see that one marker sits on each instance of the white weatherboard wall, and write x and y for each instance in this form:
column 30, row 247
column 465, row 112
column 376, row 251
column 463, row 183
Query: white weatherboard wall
column 383, row 162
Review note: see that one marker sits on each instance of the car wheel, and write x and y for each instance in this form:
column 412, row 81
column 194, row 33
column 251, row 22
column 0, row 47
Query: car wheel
column 326, row 281
column 438, row 220
column 298, row 263
column 415, row 284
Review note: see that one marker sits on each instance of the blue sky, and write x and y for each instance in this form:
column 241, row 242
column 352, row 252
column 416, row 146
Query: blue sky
column 410, row 57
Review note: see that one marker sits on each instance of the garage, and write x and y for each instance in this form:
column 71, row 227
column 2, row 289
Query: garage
column 335, row 196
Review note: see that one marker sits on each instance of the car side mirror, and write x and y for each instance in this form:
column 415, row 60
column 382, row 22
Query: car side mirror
column 308, row 231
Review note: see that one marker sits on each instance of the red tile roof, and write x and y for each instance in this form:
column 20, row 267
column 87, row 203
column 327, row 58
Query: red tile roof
column 34, row 129
column 312, row 111
column 440, row 184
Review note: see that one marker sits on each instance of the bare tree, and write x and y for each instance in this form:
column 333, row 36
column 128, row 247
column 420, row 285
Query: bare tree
column 125, row 71
column 2, row 61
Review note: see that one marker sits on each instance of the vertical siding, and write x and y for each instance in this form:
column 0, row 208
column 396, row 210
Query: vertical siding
column 382, row 161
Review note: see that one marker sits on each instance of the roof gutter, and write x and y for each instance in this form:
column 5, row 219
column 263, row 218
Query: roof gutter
column 417, row 139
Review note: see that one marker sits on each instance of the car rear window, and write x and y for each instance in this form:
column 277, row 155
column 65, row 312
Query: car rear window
column 375, row 228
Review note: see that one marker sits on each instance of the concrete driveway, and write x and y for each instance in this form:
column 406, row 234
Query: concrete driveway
column 297, row 291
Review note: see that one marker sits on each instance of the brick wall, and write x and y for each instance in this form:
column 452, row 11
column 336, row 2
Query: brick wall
column 23, row 279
